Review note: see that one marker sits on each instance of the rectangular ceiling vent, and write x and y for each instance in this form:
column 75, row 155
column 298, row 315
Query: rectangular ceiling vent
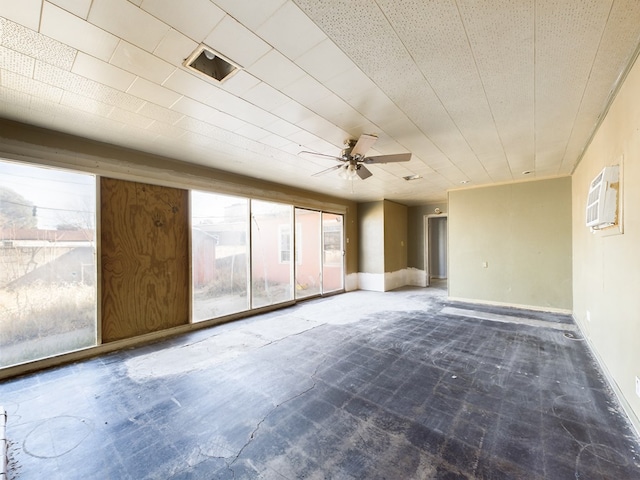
column 602, row 202
column 206, row 61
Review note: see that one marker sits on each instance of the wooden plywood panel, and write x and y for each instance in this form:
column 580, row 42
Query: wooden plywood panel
column 145, row 258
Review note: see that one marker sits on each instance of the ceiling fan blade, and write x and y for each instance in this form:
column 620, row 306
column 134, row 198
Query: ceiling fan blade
column 315, row 154
column 327, row 170
column 363, row 172
column 364, row 144
column 399, row 157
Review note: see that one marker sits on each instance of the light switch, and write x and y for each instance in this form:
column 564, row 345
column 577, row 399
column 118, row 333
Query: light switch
column 485, row 264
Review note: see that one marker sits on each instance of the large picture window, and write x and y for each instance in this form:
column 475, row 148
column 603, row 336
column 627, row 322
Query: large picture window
column 219, row 248
column 47, row 262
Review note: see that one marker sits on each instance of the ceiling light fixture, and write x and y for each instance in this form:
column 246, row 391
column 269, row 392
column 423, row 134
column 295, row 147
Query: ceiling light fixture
column 526, row 172
column 408, row 178
column 206, row 61
column 464, row 182
column 348, row 172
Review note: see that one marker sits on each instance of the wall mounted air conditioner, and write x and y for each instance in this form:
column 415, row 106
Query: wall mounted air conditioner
column 602, row 202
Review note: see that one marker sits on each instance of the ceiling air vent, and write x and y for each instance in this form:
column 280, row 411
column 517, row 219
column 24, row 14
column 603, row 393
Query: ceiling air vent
column 207, row 61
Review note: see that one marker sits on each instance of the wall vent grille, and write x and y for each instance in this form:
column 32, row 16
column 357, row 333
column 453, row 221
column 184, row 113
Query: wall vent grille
column 602, row 201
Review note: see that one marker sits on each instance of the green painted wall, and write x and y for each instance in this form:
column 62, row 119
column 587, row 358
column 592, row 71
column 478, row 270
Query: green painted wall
column 511, row 244
column 371, row 234
column 395, row 236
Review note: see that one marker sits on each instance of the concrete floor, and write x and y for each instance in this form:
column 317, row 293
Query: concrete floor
column 365, row 385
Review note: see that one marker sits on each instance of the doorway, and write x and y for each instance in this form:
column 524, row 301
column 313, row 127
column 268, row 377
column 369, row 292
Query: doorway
column 435, row 254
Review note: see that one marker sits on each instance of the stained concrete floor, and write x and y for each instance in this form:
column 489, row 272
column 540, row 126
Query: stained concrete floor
column 400, row 385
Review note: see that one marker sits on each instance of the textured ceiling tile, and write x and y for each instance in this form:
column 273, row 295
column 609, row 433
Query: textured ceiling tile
column 10, row 97
column 85, row 104
column 251, row 14
column 153, row 93
column 336, row 110
column 175, row 47
column 265, row 96
column 161, row 114
column 79, row 8
column 234, row 41
column 194, row 18
column 444, row 56
column 26, row 41
column 129, row 22
column 252, row 132
column 276, row 70
column 88, row 88
column 194, row 109
column 130, row 118
column 240, row 83
column 563, row 67
column 282, row 128
column 165, row 130
column 226, row 121
column 189, row 85
column 102, row 72
column 306, row 90
column 71, row 30
column 66, row 80
column 30, row 86
column 300, row 35
column 350, row 84
column 24, row 12
column 16, row 62
column 324, row 61
column 293, row 112
column 141, row 63
column 611, row 59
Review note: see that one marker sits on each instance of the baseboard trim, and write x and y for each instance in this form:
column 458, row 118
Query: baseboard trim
column 617, row 391
column 535, row 308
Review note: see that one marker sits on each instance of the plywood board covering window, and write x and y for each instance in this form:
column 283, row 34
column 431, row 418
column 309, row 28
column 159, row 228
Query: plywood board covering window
column 145, row 258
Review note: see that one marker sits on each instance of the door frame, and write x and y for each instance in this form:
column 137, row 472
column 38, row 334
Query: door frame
column 425, row 232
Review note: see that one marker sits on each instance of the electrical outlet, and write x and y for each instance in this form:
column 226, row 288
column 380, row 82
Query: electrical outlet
column 638, row 386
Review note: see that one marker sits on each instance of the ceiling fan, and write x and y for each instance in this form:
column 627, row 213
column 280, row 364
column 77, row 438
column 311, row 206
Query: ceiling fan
column 353, row 159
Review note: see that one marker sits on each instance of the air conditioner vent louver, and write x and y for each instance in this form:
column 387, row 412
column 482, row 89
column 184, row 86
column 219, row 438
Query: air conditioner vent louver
column 602, row 201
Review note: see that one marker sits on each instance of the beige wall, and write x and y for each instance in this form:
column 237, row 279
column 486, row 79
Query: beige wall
column 395, row 236
column 606, row 268
column 522, row 231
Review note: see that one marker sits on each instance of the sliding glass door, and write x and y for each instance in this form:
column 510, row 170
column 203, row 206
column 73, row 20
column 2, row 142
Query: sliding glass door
column 308, row 243
column 332, row 252
column 271, row 253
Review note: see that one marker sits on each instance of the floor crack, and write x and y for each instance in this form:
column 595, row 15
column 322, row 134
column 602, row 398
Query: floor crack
column 259, row 424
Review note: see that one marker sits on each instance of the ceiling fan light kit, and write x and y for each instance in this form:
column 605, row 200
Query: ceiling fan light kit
column 353, row 158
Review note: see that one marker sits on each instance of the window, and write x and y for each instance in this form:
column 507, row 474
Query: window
column 47, row 262
column 284, row 243
column 271, row 278
column 219, row 250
